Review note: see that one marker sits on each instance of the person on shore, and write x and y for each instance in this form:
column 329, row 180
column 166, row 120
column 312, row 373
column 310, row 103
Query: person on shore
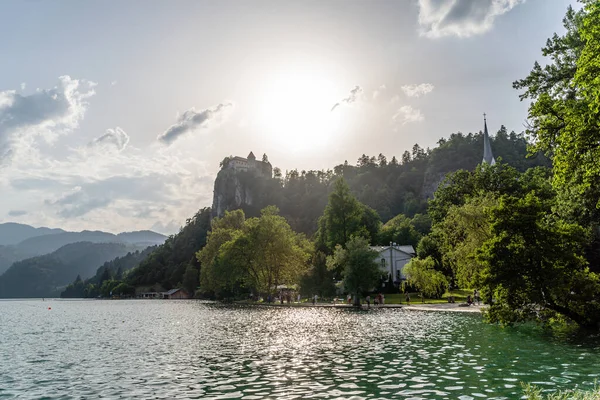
column 476, row 296
column 314, row 299
column 407, row 298
column 298, row 298
column 376, row 300
column 382, row 299
column 349, row 299
column 469, row 300
column 368, row 301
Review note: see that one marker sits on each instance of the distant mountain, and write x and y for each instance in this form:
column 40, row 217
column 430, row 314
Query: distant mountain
column 113, row 269
column 13, row 233
column 18, row 241
column 47, row 275
column 147, row 237
column 48, row 243
column 10, row 255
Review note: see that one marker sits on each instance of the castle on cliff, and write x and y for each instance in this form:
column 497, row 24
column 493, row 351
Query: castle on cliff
column 250, row 163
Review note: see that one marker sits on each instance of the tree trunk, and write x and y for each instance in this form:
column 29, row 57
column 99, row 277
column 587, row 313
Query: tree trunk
column 356, row 300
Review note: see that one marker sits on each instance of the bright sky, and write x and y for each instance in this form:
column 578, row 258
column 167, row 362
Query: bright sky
column 114, row 114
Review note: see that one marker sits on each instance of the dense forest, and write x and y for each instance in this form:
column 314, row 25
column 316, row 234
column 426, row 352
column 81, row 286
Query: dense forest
column 44, row 276
column 389, row 185
column 396, row 192
column 108, row 277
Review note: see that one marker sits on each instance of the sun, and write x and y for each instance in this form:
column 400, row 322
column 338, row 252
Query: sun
column 295, row 110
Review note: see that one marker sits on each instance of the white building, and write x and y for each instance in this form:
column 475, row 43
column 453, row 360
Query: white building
column 393, row 258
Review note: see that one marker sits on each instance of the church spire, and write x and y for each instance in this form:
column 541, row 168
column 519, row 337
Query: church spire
column 488, row 157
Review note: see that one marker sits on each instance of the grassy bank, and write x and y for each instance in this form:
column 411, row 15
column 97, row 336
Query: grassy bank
column 535, row 393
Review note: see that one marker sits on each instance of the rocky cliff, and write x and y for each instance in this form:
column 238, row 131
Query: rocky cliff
column 244, row 190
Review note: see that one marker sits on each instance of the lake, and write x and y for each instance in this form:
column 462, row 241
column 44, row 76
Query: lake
column 190, row 349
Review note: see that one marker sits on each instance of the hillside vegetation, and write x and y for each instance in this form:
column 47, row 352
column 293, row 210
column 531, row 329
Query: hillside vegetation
column 45, row 276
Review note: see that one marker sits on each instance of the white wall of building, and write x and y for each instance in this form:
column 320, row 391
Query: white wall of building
column 393, row 259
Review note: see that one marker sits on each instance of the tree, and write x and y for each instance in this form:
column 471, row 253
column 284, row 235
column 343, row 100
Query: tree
column 215, row 277
column 344, row 216
column 382, row 160
column 319, row 280
column 462, row 233
column 564, row 117
column 422, row 274
column 258, row 254
column 534, row 266
column 399, row 230
column 265, row 159
column 123, row 289
column 357, row 260
column 190, row 279
column 406, row 157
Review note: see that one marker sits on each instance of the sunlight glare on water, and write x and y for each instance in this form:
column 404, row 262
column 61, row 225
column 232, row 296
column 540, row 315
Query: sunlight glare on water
column 192, row 349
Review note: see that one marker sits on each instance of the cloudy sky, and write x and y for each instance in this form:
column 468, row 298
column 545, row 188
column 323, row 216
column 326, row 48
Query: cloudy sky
column 114, row 115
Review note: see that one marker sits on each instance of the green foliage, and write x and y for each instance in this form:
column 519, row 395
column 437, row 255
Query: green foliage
column 358, row 261
column 123, row 289
column 114, row 269
column 345, row 217
column 401, row 230
column 421, row 274
column 319, row 279
column 462, row 233
column 190, row 279
column 215, row 277
column 532, row 392
column 257, row 253
column 534, row 266
column 47, row 275
column 108, row 288
column 389, row 188
column 167, row 264
column 564, row 117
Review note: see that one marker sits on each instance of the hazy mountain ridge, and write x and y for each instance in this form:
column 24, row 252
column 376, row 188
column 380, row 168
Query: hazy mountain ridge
column 40, row 241
column 14, row 233
column 46, row 275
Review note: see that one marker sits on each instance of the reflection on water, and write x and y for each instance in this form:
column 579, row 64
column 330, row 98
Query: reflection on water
column 190, row 349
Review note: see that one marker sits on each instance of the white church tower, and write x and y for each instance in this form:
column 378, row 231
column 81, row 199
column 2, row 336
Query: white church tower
column 488, row 157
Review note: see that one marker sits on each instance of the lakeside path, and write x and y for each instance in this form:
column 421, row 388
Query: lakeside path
column 450, row 307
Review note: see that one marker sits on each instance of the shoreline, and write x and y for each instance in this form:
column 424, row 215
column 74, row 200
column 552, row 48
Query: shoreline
column 449, row 307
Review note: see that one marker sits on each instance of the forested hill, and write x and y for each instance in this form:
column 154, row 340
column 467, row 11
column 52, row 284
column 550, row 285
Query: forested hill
column 45, row 276
column 391, row 185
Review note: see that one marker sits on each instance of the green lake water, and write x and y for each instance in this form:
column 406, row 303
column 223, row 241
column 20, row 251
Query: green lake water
column 191, row 349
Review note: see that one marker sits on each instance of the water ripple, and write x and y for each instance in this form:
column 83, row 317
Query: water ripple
column 192, row 350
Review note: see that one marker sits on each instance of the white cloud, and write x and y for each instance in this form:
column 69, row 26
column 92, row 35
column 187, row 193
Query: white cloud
column 191, row 120
column 461, row 18
column 378, row 91
column 352, row 97
column 406, row 114
column 23, row 85
column 44, row 114
column 417, row 90
column 113, row 139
